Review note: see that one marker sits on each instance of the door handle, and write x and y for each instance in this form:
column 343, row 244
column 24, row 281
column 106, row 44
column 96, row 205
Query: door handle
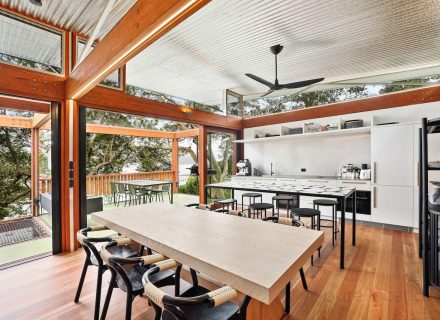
column 353, row 182
column 418, row 173
column 374, row 172
column 374, row 197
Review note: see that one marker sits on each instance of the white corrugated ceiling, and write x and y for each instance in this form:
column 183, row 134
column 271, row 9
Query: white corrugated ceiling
column 336, row 39
column 75, row 15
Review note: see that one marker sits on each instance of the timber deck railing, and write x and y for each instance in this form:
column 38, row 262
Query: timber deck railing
column 99, row 185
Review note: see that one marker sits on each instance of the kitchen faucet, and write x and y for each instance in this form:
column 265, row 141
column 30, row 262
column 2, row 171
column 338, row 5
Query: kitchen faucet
column 271, row 169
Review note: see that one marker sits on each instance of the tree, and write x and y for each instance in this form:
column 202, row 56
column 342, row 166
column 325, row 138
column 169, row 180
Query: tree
column 15, row 171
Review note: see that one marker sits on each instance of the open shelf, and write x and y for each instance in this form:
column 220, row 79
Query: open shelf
column 329, row 133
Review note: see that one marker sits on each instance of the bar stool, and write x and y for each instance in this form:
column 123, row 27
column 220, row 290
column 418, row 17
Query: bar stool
column 225, row 204
column 329, row 203
column 258, row 209
column 276, row 199
column 252, row 197
column 312, row 214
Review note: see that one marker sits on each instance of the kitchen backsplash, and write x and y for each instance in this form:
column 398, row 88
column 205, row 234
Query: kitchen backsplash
column 320, row 156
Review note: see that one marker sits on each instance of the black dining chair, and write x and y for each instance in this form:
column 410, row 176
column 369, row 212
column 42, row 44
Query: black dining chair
column 93, row 258
column 126, row 274
column 294, row 223
column 197, row 303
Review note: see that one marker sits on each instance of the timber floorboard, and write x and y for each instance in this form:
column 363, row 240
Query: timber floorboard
column 382, row 280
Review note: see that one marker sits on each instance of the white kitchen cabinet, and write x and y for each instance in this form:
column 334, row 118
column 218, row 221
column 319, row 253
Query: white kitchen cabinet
column 319, row 182
column 358, row 185
column 393, row 205
column 392, row 155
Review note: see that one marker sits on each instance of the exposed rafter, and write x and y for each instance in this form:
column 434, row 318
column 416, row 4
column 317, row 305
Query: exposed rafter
column 143, row 24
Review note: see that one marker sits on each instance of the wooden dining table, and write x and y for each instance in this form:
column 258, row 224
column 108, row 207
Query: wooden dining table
column 255, row 257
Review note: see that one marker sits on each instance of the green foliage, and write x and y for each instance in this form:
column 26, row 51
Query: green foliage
column 28, row 63
column 15, row 171
column 133, row 90
column 191, row 186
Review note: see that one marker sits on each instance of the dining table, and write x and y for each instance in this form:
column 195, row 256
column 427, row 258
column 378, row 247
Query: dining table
column 145, row 184
column 340, row 194
column 257, row 258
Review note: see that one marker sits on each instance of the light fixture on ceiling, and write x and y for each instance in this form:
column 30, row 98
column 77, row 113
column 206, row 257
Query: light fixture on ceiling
column 187, row 111
column 38, row 3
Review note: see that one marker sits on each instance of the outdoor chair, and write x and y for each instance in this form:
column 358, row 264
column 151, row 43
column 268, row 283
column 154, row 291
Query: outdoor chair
column 93, row 258
column 114, row 192
column 122, row 191
column 197, row 303
column 137, row 195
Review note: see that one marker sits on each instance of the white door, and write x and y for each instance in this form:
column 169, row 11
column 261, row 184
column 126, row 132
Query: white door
column 393, row 205
column 392, row 152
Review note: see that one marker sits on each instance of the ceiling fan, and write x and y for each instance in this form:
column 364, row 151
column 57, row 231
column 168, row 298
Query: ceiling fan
column 276, row 49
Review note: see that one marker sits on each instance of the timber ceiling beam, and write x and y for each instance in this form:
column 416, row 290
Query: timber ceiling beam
column 143, row 24
column 15, row 122
column 17, row 103
column 39, row 120
column 386, row 101
column 31, row 84
column 187, row 133
column 104, row 129
column 117, row 101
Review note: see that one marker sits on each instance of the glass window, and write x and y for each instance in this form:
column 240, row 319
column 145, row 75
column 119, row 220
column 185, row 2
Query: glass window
column 29, row 45
column 263, row 106
column 113, row 80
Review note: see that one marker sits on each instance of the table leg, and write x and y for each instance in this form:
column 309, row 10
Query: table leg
column 353, row 230
column 260, row 311
column 171, row 194
column 342, row 254
column 287, row 302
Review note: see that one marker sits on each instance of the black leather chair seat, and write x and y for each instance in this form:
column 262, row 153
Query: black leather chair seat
column 251, row 194
column 226, row 201
column 203, row 312
column 261, row 206
column 120, row 252
column 283, row 197
column 325, row 202
column 305, row 212
column 135, row 274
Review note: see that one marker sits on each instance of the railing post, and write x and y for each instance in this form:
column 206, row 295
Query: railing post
column 175, row 162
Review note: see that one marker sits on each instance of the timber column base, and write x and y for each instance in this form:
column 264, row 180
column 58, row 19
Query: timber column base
column 260, row 311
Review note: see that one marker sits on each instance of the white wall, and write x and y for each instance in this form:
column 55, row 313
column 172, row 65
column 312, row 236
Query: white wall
column 324, row 155
column 319, row 155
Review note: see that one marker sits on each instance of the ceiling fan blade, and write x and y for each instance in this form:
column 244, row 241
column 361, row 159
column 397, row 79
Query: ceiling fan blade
column 260, row 80
column 266, row 93
column 300, row 84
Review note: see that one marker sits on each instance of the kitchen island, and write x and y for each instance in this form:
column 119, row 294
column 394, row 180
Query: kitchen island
column 341, row 194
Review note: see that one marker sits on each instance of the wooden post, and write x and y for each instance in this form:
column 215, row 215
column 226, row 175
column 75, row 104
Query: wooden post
column 175, row 162
column 203, row 173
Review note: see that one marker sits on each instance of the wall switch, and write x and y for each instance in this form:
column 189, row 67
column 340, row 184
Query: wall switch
column 303, row 169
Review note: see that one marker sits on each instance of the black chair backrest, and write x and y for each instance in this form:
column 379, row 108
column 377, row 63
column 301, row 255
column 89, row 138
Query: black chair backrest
column 286, row 221
column 88, row 243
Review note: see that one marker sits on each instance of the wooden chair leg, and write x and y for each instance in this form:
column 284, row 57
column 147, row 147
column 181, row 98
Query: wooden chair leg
column 81, row 279
column 111, row 285
column 303, row 279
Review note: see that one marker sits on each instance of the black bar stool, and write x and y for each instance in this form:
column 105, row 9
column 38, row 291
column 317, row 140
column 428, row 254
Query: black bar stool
column 276, row 199
column 252, row 198
column 312, row 214
column 329, row 203
column 258, row 208
column 225, row 204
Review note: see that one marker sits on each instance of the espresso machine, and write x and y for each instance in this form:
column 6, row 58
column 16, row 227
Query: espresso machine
column 244, row 168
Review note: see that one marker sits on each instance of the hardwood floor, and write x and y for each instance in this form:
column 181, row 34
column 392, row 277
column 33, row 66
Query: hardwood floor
column 382, row 281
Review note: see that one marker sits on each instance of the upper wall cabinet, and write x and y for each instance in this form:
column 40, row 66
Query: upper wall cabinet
column 392, row 149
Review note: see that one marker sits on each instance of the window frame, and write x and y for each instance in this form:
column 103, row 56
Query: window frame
column 43, row 26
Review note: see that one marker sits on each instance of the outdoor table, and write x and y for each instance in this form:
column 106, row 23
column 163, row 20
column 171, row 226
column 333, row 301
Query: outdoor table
column 150, row 183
